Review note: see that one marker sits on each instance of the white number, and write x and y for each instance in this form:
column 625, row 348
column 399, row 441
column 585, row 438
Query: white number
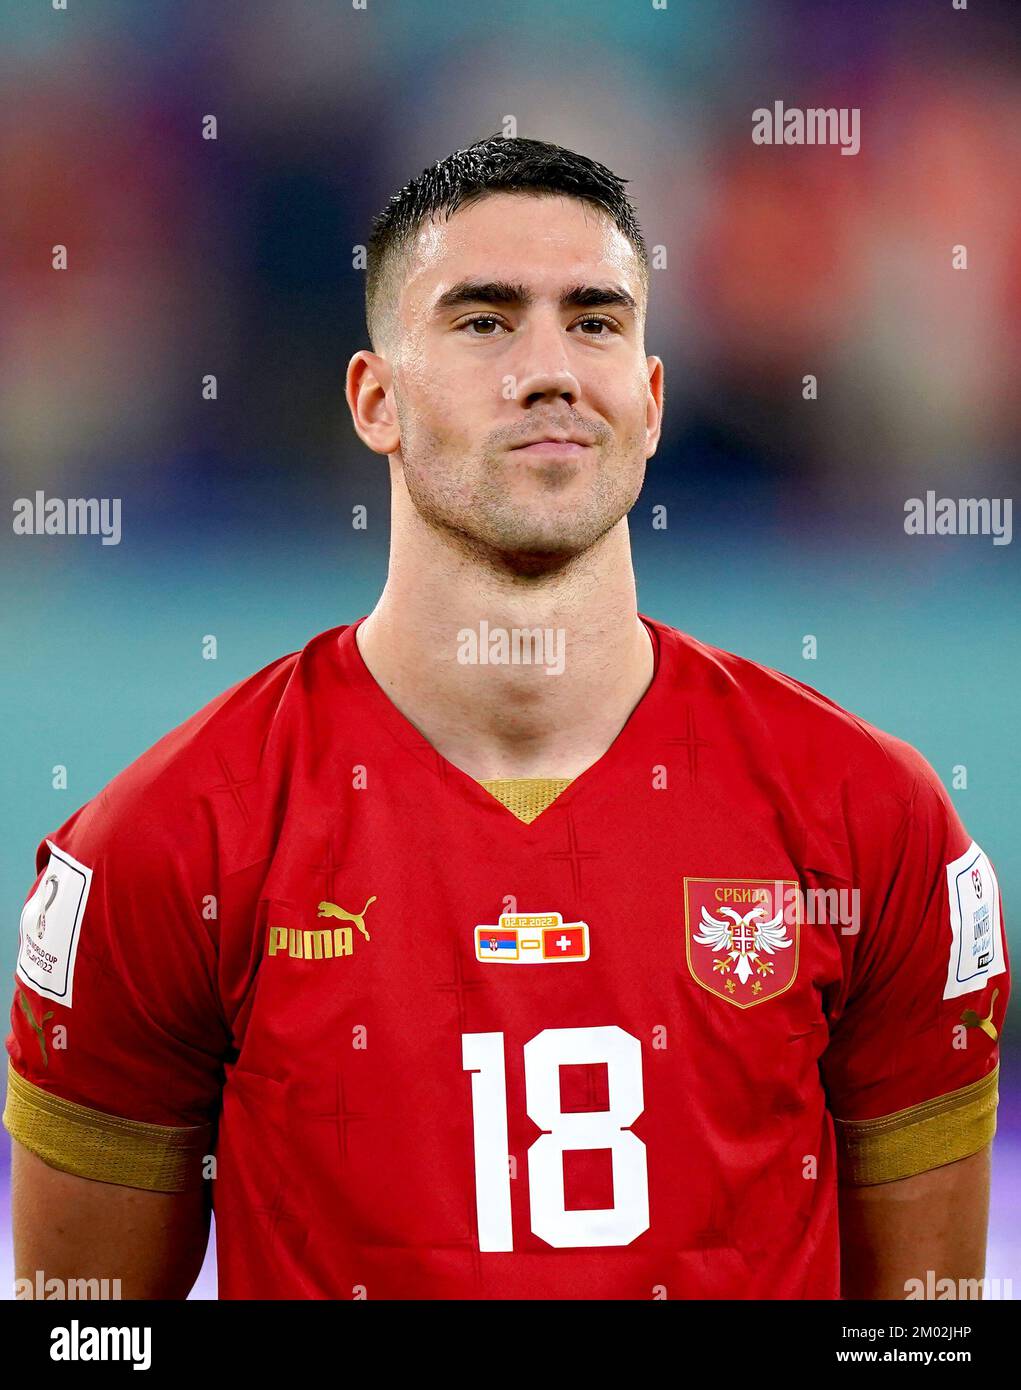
column 482, row 1055
column 544, row 1055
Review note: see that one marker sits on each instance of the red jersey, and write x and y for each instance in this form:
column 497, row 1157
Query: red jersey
column 423, row 1049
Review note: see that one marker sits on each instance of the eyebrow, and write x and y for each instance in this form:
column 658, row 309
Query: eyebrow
column 517, row 296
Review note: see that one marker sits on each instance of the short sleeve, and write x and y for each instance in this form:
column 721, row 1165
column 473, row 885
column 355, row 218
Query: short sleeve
column 911, row 1066
column 117, row 1037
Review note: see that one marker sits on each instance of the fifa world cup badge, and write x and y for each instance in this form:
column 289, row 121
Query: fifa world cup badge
column 742, row 936
column 51, row 892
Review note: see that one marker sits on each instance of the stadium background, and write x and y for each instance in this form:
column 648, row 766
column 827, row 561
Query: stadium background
column 234, row 257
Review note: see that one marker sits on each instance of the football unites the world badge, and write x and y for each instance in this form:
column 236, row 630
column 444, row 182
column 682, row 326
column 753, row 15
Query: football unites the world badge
column 742, row 936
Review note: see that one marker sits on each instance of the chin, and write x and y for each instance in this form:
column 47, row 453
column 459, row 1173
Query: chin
column 547, row 547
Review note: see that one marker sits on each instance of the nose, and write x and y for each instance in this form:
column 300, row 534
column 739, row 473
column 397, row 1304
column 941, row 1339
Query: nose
column 546, row 374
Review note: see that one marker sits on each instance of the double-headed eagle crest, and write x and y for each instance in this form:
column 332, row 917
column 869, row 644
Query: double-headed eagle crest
column 743, row 939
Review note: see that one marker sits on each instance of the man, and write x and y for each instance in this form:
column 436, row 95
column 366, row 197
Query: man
column 508, row 944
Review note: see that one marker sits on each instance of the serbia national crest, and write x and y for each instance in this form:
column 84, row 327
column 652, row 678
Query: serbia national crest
column 742, row 936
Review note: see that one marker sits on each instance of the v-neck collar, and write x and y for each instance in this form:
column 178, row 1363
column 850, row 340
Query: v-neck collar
column 644, row 717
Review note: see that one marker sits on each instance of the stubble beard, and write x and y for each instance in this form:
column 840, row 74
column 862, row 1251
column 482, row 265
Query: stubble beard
column 476, row 510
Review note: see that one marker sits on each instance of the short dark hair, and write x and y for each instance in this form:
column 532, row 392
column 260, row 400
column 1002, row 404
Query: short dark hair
column 493, row 165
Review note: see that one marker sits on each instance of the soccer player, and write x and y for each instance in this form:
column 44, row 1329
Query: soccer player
column 507, row 943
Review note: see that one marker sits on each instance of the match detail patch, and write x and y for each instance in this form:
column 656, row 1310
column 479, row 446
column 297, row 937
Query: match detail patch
column 50, row 926
column 532, row 938
column 976, row 944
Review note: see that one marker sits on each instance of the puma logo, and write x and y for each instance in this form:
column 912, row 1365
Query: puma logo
column 322, row 943
column 332, row 910
column 37, row 1028
column 970, row 1018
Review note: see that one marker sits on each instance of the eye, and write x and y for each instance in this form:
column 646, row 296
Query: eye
column 608, row 323
column 479, row 318
column 489, row 322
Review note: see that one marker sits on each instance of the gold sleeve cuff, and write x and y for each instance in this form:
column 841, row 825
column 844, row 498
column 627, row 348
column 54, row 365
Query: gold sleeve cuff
column 925, row 1136
column 92, row 1144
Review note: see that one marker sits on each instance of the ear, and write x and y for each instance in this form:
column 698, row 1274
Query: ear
column 654, row 406
column 370, row 400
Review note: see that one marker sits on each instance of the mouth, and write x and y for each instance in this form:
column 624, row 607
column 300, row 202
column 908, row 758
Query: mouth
column 553, row 448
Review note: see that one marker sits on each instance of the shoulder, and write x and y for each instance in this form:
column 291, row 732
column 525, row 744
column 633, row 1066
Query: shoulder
column 788, row 721
column 211, row 770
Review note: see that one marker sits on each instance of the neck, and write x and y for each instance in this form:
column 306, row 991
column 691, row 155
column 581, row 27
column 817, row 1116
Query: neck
column 442, row 639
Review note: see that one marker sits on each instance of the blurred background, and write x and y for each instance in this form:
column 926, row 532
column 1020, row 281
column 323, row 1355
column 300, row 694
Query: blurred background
column 236, row 257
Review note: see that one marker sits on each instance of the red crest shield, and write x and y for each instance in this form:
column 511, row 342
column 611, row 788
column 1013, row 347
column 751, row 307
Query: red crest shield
column 742, row 936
